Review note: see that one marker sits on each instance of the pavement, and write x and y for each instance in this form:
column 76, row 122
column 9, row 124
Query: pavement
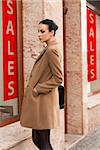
column 89, row 142
column 15, row 137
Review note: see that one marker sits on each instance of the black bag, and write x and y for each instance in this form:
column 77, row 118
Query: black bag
column 61, row 96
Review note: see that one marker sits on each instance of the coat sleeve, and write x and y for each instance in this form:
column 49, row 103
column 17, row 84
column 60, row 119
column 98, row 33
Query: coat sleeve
column 57, row 75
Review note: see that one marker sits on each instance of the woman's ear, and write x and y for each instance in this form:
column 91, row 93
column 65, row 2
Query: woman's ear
column 52, row 32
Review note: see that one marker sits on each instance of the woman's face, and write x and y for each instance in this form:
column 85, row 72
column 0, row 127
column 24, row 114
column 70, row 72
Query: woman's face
column 43, row 33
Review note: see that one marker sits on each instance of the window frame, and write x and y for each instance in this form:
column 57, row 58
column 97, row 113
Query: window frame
column 97, row 12
column 20, row 64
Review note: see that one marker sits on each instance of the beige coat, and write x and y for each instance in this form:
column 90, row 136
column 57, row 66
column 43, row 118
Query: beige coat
column 40, row 108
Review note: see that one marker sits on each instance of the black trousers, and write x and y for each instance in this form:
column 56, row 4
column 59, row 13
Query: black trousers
column 41, row 139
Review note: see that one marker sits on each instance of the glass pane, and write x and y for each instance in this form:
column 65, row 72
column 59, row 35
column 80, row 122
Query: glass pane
column 95, row 85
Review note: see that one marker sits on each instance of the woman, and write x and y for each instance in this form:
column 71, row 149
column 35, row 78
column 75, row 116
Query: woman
column 40, row 108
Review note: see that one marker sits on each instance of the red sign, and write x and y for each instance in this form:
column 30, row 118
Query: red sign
column 9, row 49
column 91, row 44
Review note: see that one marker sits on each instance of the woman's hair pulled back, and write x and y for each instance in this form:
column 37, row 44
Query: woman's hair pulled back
column 51, row 24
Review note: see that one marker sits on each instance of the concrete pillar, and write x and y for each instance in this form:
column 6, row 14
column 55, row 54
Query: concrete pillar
column 76, row 58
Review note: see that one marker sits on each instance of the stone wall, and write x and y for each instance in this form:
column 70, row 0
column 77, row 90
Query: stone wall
column 76, row 73
column 32, row 15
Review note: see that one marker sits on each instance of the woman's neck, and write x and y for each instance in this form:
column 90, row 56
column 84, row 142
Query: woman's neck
column 51, row 40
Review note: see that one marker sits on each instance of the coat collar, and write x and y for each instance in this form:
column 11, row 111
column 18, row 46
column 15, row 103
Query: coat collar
column 52, row 43
column 46, row 47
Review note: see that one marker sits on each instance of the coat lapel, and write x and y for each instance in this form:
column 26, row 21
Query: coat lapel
column 41, row 54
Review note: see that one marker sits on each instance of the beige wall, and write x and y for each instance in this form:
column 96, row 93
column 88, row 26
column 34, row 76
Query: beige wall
column 53, row 10
column 76, row 50
column 74, row 71
column 31, row 17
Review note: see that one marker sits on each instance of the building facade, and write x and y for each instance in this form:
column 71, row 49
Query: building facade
column 79, row 40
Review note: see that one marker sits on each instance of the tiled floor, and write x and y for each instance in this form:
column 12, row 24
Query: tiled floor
column 25, row 145
column 71, row 139
column 90, row 142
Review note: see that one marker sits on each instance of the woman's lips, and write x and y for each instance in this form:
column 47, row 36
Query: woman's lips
column 41, row 39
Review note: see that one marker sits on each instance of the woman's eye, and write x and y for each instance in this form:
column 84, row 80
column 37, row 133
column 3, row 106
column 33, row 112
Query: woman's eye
column 42, row 31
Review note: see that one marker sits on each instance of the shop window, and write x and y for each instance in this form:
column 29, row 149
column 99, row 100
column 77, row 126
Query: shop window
column 93, row 48
column 10, row 61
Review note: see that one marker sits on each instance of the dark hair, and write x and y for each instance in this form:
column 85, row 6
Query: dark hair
column 51, row 24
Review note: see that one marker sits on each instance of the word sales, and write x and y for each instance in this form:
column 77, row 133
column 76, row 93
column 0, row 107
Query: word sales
column 9, row 49
column 91, row 44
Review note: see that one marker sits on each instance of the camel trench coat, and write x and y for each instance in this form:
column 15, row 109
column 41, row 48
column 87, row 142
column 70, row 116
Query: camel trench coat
column 40, row 107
